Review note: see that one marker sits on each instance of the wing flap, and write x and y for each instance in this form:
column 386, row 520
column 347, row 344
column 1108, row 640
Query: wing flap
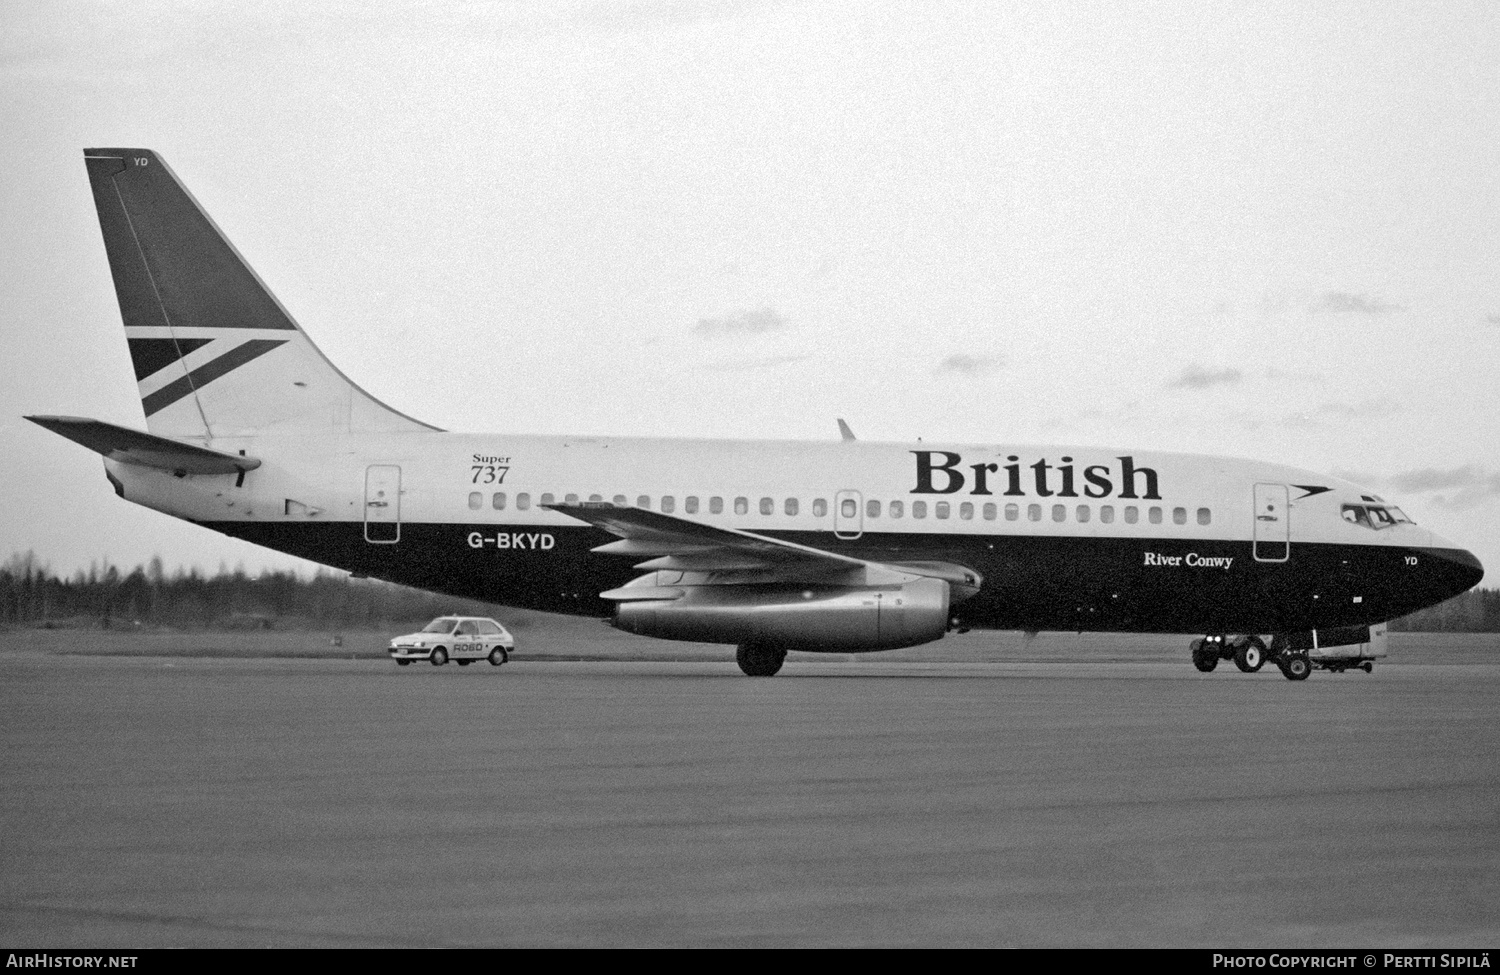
column 148, row 450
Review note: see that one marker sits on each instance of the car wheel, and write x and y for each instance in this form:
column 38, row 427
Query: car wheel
column 439, row 657
column 497, row 656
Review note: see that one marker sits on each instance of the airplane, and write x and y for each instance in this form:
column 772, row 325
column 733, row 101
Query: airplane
column 845, row 546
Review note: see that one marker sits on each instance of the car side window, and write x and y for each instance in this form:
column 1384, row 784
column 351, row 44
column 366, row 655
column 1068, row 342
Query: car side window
column 466, row 628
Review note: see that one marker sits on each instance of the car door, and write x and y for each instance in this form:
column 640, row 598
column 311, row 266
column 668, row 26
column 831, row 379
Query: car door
column 466, row 640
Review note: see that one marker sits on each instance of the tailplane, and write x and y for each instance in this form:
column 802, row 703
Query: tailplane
column 215, row 354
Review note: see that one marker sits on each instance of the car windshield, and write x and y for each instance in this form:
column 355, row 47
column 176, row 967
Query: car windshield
column 442, row 624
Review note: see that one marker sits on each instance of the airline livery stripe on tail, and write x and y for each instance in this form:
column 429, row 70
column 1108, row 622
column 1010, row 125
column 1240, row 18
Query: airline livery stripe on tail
column 208, row 372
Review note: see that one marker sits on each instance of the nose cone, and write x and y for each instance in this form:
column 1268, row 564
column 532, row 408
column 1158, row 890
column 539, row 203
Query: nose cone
column 1459, row 569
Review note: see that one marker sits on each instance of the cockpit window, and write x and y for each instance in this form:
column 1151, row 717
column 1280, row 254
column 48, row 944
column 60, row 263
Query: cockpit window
column 442, row 624
column 1374, row 516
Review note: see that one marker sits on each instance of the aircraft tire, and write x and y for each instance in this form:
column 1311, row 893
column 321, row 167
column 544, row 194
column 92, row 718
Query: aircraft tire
column 497, row 656
column 759, row 659
column 1295, row 665
column 439, row 657
column 1249, row 657
column 1204, row 659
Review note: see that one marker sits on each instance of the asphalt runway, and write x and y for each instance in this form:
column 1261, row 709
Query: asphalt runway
column 155, row 801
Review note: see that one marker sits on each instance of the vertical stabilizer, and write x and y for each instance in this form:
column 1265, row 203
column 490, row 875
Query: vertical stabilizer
column 215, row 354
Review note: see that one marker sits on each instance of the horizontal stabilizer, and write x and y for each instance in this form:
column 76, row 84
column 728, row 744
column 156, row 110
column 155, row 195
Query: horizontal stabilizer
column 148, row 450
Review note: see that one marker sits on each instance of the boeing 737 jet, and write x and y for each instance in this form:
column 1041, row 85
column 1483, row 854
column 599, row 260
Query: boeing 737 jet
column 844, row 546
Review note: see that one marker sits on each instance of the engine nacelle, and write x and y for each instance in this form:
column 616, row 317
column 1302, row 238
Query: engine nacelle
column 827, row 618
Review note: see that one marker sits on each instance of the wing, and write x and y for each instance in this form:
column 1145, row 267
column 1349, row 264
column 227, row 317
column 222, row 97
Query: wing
column 673, row 544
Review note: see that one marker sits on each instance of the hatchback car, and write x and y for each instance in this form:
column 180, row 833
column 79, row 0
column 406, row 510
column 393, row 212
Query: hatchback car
column 462, row 639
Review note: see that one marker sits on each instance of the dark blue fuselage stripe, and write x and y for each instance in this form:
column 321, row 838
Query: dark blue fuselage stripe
column 208, row 372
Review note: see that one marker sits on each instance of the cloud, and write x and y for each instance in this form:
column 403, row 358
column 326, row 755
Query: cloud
column 970, row 365
column 1435, row 479
column 1463, row 487
column 1370, row 409
column 769, row 362
column 1199, row 377
column 1454, row 489
column 1493, row 319
column 1344, row 303
column 746, row 323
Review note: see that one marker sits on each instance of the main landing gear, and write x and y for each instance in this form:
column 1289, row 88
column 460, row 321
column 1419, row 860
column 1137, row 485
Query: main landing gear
column 1249, row 653
column 760, row 659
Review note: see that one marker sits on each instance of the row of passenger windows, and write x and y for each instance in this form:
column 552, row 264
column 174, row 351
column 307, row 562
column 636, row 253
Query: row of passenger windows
column 849, row 508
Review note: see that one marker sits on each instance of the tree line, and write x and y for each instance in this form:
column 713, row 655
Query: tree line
column 106, row 596
column 109, row 596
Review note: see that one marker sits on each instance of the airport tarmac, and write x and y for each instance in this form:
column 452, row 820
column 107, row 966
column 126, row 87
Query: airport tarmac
column 212, row 801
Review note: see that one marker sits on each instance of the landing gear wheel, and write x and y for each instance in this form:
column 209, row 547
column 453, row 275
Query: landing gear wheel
column 759, row 659
column 1249, row 656
column 1205, row 655
column 1295, row 665
column 497, row 656
column 439, row 657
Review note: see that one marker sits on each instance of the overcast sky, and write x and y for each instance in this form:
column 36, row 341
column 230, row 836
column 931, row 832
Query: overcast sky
column 1265, row 229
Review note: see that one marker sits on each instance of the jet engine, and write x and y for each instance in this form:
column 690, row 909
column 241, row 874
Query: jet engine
column 832, row 618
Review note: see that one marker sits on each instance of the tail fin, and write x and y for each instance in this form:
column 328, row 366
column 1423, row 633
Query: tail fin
column 215, row 353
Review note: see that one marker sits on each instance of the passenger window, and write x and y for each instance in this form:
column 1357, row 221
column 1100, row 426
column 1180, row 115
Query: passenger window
column 523, row 502
column 549, row 498
column 872, row 509
column 621, row 500
column 476, row 500
column 1205, row 516
column 690, row 504
column 1179, row 516
column 1107, row 513
column 742, row 506
column 897, row 509
column 571, row 499
column 820, row 507
column 767, row 506
column 791, row 507
column 1132, row 514
column 1012, row 512
column 847, row 508
column 497, row 501
column 1083, row 513
column 1155, row 514
column 466, row 628
column 919, row 509
column 716, row 506
column 596, row 497
column 644, row 501
column 966, row 511
column 1033, row 512
column 1059, row 512
column 942, row 509
column 668, row 504
column 990, row 511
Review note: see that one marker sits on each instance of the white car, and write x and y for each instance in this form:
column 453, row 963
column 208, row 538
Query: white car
column 460, row 638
